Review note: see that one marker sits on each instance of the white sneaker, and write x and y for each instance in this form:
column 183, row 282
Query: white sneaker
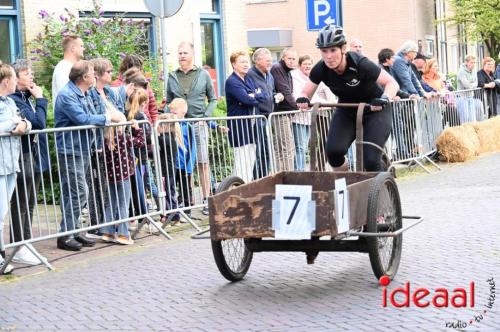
column 25, row 256
column 152, row 228
column 9, row 267
column 132, row 225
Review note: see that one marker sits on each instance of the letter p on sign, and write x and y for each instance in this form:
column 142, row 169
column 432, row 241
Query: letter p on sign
column 322, row 12
column 321, row 9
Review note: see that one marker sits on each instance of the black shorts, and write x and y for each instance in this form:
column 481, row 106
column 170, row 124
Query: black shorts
column 376, row 129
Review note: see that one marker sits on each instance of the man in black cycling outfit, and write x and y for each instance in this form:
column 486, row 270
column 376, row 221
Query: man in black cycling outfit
column 353, row 78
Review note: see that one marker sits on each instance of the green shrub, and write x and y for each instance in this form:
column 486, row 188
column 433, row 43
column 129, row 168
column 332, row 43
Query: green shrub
column 220, row 152
column 110, row 38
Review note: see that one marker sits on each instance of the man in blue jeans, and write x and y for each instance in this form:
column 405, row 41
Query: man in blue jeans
column 74, row 108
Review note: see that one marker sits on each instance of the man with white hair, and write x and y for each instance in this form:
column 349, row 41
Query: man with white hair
column 356, row 45
column 402, row 72
column 261, row 75
column 408, row 83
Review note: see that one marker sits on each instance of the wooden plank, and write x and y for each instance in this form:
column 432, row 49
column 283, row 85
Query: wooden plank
column 358, row 203
column 246, row 211
column 252, row 217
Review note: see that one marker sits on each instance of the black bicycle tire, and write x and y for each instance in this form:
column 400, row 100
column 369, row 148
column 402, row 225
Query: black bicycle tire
column 382, row 180
column 217, row 245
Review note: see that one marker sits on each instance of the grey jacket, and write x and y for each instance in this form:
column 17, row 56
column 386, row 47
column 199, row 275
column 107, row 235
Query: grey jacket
column 201, row 88
column 10, row 146
column 466, row 79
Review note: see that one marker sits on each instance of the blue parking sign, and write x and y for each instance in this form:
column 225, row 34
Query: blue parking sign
column 321, row 13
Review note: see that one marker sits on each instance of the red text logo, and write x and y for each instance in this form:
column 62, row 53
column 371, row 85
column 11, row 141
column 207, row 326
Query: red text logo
column 460, row 297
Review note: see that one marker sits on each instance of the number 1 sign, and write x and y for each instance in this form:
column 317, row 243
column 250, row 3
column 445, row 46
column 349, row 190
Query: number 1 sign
column 294, row 213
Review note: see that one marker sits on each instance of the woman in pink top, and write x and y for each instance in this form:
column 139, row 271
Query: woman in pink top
column 301, row 122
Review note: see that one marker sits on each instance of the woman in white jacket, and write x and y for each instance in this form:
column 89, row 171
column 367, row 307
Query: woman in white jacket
column 11, row 125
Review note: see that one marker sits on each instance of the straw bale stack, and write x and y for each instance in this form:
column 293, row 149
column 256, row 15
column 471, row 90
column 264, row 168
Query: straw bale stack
column 458, row 144
column 488, row 133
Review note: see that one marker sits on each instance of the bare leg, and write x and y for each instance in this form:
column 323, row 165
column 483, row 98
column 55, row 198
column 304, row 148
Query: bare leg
column 204, row 179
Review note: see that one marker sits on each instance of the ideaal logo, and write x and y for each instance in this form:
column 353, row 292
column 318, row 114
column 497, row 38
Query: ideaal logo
column 461, row 297
column 422, row 297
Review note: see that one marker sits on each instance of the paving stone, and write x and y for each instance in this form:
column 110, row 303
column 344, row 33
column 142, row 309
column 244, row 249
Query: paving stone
column 175, row 285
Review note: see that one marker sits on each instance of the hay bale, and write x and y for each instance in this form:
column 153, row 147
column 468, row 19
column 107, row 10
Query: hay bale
column 488, row 133
column 458, row 144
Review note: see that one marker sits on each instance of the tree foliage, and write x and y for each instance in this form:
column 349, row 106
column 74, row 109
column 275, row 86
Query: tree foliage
column 107, row 37
column 481, row 19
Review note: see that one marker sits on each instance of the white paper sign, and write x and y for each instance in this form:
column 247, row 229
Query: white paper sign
column 341, row 205
column 294, row 214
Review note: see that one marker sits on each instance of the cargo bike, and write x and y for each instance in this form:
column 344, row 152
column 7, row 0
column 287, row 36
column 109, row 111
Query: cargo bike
column 346, row 211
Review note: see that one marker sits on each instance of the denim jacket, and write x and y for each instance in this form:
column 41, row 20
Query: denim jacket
column 10, row 146
column 100, row 108
column 74, row 108
column 405, row 76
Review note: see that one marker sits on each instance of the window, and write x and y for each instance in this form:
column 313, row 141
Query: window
column 211, row 42
column 7, row 4
column 429, row 46
column 208, row 6
column 5, row 38
column 207, row 44
column 10, row 35
column 454, row 58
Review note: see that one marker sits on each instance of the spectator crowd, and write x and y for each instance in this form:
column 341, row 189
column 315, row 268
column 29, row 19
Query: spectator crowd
column 108, row 170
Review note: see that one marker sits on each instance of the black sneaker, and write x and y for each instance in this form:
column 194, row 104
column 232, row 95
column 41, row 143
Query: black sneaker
column 68, row 243
column 86, row 242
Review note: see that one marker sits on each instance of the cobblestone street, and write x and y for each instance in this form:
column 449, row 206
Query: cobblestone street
column 175, row 285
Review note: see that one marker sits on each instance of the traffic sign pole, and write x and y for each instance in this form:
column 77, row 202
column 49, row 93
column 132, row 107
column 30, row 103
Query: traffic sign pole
column 164, row 51
column 164, row 54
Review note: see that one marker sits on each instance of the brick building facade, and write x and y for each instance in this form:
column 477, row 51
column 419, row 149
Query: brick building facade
column 219, row 27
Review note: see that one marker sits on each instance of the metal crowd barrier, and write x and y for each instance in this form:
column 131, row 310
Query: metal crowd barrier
column 193, row 156
column 418, row 123
column 97, row 178
column 171, row 180
column 289, row 134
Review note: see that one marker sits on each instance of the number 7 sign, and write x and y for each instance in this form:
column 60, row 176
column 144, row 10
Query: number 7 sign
column 341, row 205
column 294, row 214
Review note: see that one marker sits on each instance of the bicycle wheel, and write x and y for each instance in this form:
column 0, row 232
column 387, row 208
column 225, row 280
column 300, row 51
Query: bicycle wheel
column 232, row 256
column 384, row 215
